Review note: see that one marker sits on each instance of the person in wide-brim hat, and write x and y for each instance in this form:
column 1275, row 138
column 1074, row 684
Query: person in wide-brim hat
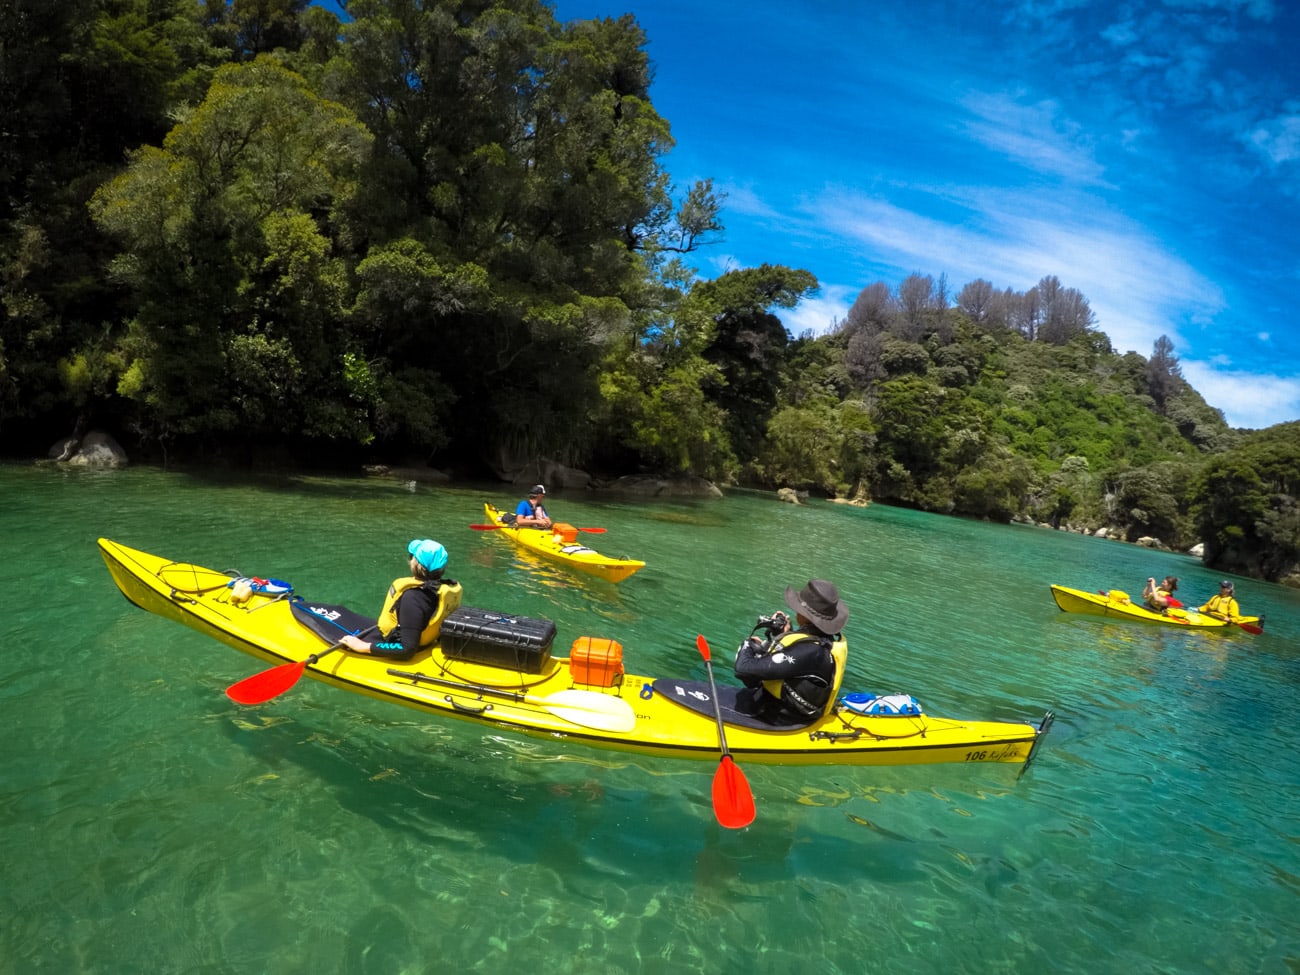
column 819, row 603
column 791, row 678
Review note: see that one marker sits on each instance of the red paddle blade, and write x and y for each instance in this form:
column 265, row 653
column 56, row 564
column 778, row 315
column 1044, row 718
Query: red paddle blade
column 733, row 802
column 1251, row 628
column 594, row 531
column 484, row 528
column 703, row 646
column 266, row 685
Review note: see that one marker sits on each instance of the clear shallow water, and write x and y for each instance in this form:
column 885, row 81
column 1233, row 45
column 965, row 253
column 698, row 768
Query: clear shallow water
column 148, row 824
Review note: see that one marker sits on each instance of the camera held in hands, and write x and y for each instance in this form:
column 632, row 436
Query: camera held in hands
column 776, row 623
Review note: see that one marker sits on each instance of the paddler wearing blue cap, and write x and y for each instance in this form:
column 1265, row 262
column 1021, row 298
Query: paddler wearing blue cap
column 530, row 513
column 415, row 605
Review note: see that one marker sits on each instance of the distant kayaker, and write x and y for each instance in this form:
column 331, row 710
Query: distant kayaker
column 530, row 513
column 415, row 605
column 1161, row 597
column 795, row 671
column 1223, row 606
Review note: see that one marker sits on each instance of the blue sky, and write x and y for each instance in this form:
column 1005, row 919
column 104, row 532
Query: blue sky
column 1145, row 153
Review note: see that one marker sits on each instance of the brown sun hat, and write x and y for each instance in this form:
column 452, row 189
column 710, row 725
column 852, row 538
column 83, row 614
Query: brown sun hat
column 820, row 604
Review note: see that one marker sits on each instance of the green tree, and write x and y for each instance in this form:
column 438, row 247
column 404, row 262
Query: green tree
column 749, row 345
column 511, row 147
column 226, row 232
column 1164, row 375
column 804, row 444
column 81, row 81
column 1245, row 505
column 1154, row 499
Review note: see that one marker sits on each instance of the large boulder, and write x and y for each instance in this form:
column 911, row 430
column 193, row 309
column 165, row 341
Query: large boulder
column 95, row 449
column 524, row 471
column 554, row 475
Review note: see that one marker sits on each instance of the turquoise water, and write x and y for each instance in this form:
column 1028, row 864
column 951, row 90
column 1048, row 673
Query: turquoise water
column 149, row 825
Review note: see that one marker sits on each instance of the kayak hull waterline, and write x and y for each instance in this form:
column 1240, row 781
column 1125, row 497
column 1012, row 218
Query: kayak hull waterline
column 631, row 715
column 1119, row 605
column 572, row 554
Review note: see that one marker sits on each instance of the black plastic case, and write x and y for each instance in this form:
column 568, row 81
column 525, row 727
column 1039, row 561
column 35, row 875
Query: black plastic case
column 499, row 639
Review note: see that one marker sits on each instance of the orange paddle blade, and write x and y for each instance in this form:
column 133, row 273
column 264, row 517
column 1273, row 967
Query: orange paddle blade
column 733, row 802
column 266, row 685
column 703, row 646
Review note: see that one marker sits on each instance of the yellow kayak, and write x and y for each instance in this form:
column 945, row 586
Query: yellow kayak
column 1118, row 605
column 561, row 544
column 497, row 670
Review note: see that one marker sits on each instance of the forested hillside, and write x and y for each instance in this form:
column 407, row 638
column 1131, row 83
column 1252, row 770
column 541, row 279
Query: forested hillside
column 447, row 233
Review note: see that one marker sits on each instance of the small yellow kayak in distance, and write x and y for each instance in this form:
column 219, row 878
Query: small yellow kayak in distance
column 1119, row 605
column 561, row 544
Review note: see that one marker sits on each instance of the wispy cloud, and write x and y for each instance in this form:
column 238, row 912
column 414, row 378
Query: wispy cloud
column 745, row 200
column 1277, row 140
column 1252, row 400
column 1035, row 135
column 1015, row 238
column 817, row 315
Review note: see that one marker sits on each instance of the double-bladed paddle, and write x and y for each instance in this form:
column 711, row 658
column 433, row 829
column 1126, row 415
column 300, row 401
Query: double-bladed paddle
column 733, row 802
column 488, row 528
column 274, row 682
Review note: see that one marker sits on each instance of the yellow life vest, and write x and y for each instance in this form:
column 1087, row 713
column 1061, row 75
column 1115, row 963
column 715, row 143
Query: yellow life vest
column 1222, row 607
column 839, row 655
column 448, row 600
column 1157, row 592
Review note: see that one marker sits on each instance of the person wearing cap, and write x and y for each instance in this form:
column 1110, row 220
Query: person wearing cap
column 795, row 673
column 530, row 513
column 1223, row 606
column 1161, row 597
column 415, row 605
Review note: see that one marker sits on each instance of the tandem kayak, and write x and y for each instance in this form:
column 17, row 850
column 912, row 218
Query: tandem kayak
column 497, row 670
column 1118, row 605
column 560, row 544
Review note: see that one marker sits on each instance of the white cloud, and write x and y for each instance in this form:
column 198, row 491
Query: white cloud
column 1277, row 140
column 1014, row 239
column 819, row 313
column 1036, row 136
column 1248, row 399
column 743, row 199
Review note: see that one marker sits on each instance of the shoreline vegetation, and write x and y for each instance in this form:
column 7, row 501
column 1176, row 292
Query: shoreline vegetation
column 446, row 235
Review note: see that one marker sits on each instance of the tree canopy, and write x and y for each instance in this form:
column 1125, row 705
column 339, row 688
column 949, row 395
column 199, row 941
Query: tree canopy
column 445, row 231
